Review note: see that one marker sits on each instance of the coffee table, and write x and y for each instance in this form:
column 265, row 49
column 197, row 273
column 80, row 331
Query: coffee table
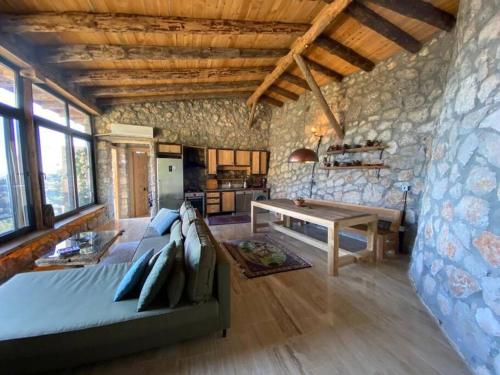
column 89, row 247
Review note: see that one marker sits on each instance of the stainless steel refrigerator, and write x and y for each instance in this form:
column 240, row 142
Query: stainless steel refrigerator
column 170, row 182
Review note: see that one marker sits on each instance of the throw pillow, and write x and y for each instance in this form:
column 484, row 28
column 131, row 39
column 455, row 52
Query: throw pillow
column 176, row 280
column 133, row 276
column 157, row 276
column 185, row 205
column 187, row 219
column 199, row 254
column 164, row 220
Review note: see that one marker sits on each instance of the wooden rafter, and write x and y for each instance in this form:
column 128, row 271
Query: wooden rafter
column 79, row 22
column 344, row 52
column 294, row 80
column 420, row 10
column 106, row 52
column 170, row 88
column 380, row 25
column 252, row 115
column 324, row 70
column 320, row 23
column 112, row 77
column 169, row 98
column 271, row 101
column 283, row 92
column 303, row 65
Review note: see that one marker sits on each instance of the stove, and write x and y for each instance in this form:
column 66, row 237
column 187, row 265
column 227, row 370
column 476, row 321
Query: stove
column 197, row 200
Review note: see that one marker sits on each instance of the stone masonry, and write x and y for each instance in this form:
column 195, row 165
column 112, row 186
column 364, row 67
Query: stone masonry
column 397, row 103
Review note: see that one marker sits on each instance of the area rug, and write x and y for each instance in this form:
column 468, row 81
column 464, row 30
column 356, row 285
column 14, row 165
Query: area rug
column 261, row 256
column 228, row 219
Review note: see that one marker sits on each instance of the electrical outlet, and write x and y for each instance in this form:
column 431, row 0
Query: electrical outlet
column 405, row 187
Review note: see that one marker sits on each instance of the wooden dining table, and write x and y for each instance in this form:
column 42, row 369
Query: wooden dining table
column 333, row 218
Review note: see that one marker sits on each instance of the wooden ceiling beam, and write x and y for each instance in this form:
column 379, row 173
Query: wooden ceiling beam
column 170, row 88
column 380, row 25
column 344, row 52
column 324, row 70
column 283, row 92
column 294, row 80
column 420, row 10
column 115, row 77
column 272, row 101
column 80, row 22
column 104, row 52
column 303, row 66
column 169, row 98
column 324, row 18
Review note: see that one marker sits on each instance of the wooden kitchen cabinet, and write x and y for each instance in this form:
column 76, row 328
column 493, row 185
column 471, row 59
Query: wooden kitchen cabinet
column 228, row 201
column 259, row 162
column 213, row 202
column 211, row 161
column 169, row 149
column 225, row 157
column 243, row 158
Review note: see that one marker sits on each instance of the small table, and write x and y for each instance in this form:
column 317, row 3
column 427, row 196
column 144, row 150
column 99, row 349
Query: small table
column 333, row 218
column 92, row 246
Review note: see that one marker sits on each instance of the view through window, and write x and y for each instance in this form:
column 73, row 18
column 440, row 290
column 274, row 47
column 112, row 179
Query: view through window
column 83, row 167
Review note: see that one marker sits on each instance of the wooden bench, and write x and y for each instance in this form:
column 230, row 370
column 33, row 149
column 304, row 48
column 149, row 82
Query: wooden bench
column 388, row 228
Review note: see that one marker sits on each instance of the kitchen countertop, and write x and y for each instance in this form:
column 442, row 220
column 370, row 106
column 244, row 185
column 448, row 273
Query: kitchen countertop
column 235, row 189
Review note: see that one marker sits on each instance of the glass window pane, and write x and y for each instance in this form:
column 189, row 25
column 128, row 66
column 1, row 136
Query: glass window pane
column 13, row 201
column 7, row 86
column 79, row 120
column 83, row 168
column 47, row 106
column 56, row 167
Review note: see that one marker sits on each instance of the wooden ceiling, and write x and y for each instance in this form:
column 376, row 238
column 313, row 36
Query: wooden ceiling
column 114, row 51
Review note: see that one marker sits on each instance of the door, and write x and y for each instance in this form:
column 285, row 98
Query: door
column 228, row 201
column 243, row 158
column 116, row 181
column 225, row 157
column 140, row 183
column 212, row 161
column 263, row 162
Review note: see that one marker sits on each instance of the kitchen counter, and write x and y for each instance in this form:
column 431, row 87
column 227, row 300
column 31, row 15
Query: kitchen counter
column 235, row 189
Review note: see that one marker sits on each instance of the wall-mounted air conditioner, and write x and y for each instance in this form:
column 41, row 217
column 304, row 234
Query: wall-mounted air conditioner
column 131, row 131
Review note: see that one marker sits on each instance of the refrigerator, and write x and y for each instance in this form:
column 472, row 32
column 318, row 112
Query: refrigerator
column 170, row 182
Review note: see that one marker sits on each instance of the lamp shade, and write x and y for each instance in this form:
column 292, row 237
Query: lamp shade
column 303, row 155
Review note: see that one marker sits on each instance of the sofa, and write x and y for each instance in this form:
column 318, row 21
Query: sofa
column 58, row 319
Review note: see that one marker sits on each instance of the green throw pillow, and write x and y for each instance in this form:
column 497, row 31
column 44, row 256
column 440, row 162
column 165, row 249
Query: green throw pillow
column 157, row 277
column 176, row 280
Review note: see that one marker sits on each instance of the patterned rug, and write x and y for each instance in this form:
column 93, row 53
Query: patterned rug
column 228, row 219
column 261, row 256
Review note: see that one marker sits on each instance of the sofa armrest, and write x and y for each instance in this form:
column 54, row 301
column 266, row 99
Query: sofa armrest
column 222, row 287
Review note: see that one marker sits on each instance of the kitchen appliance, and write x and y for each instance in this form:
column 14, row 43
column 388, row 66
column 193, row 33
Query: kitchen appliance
column 260, row 195
column 170, row 182
column 197, row 200
column 243, row 200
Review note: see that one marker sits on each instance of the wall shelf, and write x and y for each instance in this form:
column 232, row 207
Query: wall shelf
column 355, row 167
column 355, row 150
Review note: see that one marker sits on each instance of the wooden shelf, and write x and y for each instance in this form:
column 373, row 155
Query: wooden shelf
column 354, row 150
column 356, row 167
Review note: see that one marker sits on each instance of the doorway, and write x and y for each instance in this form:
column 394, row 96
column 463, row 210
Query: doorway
column 139, row 181
column 116, row 181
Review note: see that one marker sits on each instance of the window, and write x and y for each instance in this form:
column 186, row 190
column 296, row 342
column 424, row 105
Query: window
column 65, row 152
column 83, row 167
column 13, row 200
column 79, row 120
column 8, row 86
column 48, row 106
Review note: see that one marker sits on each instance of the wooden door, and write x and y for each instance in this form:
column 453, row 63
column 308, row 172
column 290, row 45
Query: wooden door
column 211, row 161
column 116, row 182
column 263, row 162
column 225, row 157
column 243, row 158
column 140, row 183
column 255, row 162
column 228, row 201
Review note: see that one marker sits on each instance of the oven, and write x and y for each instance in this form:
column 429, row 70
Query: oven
column 197, row 200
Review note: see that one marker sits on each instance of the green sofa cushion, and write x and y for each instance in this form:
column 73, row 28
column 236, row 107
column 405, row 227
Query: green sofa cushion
column 157, row 277
column 184, row 206
column 176, row 233
column 188, row 217
column 176, row 280
column 199, row 254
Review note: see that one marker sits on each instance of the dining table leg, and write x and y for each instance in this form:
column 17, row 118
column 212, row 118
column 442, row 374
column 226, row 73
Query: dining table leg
column 253, row 219
column 333, row 250
column 372, row 241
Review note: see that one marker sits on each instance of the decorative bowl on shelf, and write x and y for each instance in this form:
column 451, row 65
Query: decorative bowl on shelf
column 299, row 201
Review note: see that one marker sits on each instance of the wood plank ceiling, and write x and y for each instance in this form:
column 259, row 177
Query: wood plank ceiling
column 117, row 51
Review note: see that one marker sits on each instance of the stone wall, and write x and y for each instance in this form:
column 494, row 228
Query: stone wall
column 456, row 258
column 397, row 103
column 208, row 123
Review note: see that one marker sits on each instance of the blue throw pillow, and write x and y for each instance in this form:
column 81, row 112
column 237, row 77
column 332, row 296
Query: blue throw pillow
column 164, row 220
column 133, row 276
column 157, row 277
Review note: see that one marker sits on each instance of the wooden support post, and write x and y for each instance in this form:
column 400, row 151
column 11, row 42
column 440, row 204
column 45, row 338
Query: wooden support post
column 333, row 250
column 252, row 115
column 319, row 95
column 34, row 180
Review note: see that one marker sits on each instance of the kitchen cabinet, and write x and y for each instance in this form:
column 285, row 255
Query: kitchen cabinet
column 225, row 157
column 259, row 162
column 213, row 202
column 243, row 158
column 169, row 149
column 228, row 201
column 211, row 161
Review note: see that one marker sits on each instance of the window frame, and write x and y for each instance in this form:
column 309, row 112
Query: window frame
column 70, row 133
column 17, row 113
